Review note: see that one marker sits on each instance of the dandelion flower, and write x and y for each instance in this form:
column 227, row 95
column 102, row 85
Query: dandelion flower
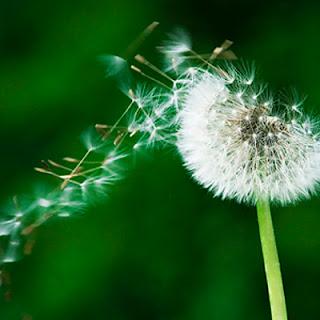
column 237, row 146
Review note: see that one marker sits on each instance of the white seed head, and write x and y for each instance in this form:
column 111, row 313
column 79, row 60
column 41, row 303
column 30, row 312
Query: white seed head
column 243, row 150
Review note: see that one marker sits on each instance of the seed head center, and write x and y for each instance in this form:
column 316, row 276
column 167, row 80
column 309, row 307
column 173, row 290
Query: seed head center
column 259, row 129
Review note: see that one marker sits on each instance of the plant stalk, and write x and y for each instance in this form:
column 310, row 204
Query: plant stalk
column 271, row 262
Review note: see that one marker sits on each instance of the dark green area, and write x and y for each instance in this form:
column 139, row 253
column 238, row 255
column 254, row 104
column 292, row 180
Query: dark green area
column 159, row 248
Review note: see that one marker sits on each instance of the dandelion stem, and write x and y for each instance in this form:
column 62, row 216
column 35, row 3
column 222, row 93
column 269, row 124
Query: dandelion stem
column 271, row 262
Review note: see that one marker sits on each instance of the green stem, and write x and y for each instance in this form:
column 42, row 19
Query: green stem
column 271, row 262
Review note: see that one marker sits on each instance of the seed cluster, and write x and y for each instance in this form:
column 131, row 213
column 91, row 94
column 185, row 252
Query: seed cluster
column 238, row 147
column 258, row 129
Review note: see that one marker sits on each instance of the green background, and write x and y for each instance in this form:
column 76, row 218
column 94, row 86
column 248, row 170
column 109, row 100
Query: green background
column 159, row 247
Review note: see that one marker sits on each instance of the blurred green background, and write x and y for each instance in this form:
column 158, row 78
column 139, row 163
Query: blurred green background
column 159, row 247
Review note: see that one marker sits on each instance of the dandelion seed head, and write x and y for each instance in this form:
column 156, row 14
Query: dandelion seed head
column 244, row 150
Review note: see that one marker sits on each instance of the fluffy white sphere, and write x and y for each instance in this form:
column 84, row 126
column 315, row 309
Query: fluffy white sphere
column 236, row 146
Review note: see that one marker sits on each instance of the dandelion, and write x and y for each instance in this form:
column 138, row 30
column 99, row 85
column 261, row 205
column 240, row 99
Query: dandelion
column 232, row 137
column 238, row 147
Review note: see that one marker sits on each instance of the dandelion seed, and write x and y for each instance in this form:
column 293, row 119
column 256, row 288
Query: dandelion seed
column 18, row 214
column 64, row 214
column 12, row 252
column 118, row 68
column 44, row 203
column 179, row 42
column 136, row 146
column 6, row 227
column 92, row 140
column 174, row 50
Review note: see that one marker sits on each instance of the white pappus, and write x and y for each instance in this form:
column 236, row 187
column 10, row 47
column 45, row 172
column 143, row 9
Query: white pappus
column 238, row 147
